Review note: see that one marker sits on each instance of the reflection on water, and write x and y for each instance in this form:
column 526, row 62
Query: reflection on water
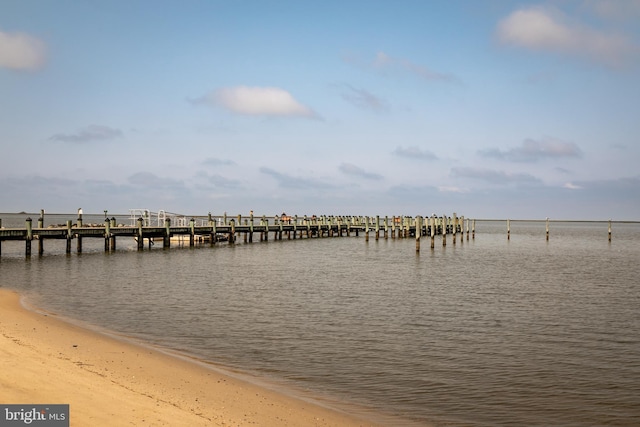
column 486, row 332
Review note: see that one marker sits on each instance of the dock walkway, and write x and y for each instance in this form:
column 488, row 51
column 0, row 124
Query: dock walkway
column 218, row 229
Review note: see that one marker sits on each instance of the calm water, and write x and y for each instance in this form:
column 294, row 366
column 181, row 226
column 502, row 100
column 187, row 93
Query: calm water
column 484, row 333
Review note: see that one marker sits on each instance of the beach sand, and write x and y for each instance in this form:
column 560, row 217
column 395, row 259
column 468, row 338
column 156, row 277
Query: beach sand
column 114, row 382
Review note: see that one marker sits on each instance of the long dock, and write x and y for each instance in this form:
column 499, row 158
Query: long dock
column 224, row 229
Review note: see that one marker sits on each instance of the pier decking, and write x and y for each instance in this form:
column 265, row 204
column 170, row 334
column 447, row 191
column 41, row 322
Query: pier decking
column 218, row 229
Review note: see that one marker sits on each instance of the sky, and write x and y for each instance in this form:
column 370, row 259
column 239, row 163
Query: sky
column 489, row 109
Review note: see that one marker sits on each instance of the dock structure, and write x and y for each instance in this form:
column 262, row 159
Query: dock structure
column 212, row 229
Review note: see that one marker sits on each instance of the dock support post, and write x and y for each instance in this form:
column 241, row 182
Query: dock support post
column 232, row 235
column 140, row 235
column 295, row 226
column 166, row 240
column 266, row 228
column 455, row 227
column 40, row 239
column 251, row 227
column 609, row 229
column 112, row 240
column 444, row 230
column 508, row 229
column 366, row 228
column 69, row 236
column 107, row 231
column 27, row 249
column 192, row 232
column 418, row 232
column 79, row 224
column 547, row 229
column 377, row 227
column 212, row 235
column 433, row 231
column 473, row 230
column 467, row 230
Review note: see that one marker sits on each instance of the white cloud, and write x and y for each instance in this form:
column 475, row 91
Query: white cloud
column 550, row 30
column 19, row 51
column 256, row 101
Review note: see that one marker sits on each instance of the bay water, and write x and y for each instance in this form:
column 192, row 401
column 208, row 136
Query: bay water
column 486, row 332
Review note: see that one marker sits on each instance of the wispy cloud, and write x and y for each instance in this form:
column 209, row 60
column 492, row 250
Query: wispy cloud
column 386, row 62
column 256, row 101
column 364, row 99
column 617, row 10
column 89, row 134
column 212, row 161
column 155, row 182
column 389, row 64
column 493, row 176
column 533, row 151
column 550, row 30
column 19, row 51
column 571, row 186
column 223, row 182
column 353, row 170
column 293, row 182
column 414, row 152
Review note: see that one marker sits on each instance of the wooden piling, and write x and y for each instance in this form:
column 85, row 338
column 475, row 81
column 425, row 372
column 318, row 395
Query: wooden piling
column 433, row 231
column 40, row 240
column 377, row 227
column 547, row 227
column 140, row 238
column 166, row 240
column 508, row 229
column 192, row 232
column 609, row 229
column 251, row 227
column 366, row 228
column 232, row 234
column 78, row 237
column 418, row 232
column 112, row 239
column 473, row 230
column 69, row 236
column 455, row 227
column 467, row 229
column 27, row 249
column 444, row 230
column 107, row 231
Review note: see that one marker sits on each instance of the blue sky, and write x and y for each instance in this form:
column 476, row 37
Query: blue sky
column 491, row 109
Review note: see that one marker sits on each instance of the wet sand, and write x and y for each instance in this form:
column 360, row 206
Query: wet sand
column 110, row 381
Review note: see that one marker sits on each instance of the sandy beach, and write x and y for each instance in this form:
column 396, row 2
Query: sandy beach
column 108, row 381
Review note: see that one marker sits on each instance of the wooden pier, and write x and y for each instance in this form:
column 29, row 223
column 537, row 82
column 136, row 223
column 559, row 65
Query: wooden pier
column 224, row 229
